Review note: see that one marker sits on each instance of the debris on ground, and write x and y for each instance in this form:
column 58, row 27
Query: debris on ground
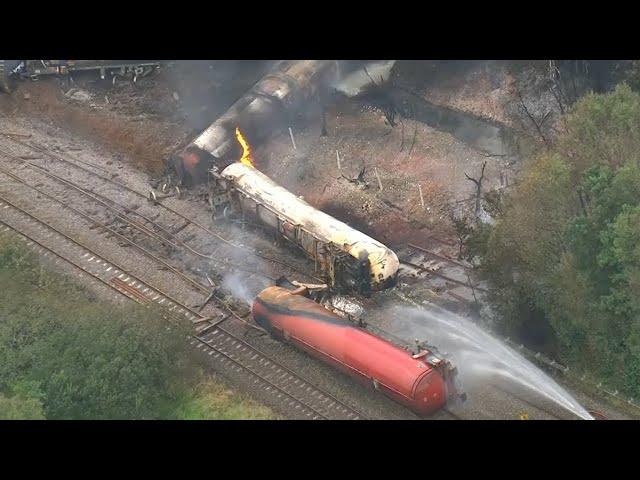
column 78, row 95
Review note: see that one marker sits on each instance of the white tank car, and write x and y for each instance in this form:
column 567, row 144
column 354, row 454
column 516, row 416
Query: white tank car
column 347, row 258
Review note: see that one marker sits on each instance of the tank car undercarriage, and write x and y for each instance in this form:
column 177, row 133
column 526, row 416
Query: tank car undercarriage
column 343, row 273
column 13, row 70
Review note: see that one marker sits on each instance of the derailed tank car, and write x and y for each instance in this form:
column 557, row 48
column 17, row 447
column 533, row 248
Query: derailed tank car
column 348, row 259
column 422, row 381
column 264, row 110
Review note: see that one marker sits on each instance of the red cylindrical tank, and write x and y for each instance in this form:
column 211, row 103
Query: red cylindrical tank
column 416, row 381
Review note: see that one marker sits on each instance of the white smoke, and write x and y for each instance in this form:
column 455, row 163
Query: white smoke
column 358, row 81
column 237, row 287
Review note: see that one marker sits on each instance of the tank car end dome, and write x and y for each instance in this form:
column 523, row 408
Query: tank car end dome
column 430, row 393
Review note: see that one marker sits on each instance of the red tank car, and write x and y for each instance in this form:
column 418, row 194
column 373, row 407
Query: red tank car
column 423, row 382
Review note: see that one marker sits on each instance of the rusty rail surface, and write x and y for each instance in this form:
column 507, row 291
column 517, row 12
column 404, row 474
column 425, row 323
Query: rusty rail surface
column 444, row 277
column 273, row 378
column 135, row 225
column 196, row 224
column 440, row 257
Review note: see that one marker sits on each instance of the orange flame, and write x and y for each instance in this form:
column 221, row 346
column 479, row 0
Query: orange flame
column 246, row 158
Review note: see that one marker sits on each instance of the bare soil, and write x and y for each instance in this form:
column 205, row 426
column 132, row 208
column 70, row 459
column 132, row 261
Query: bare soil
column 146, row 121
column 407, row 157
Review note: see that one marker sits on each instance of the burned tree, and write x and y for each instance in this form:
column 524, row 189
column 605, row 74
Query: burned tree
column 323, row 132
column 359, row 179
column 478, row 184
column 382, row 99
column 537, row 122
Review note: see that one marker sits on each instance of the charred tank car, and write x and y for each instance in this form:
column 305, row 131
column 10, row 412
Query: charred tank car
column 348, row 259
column 422, row 381
column 266, row 109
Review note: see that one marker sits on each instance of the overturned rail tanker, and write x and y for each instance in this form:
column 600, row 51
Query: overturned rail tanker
column 263, row 111
column 348, row 259
column 423, row 381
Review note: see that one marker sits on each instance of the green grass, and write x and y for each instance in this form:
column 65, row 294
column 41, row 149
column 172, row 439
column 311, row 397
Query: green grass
column 66, row 354
column 210, row 399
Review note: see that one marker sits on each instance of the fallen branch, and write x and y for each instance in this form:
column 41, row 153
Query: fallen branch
column 421, row 196
column 359, row 180
column 413, row 142
column 13, row 134
column 293, row 142
column 375, row 170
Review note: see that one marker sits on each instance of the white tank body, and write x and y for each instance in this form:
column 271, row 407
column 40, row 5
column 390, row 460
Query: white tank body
column 326, row 229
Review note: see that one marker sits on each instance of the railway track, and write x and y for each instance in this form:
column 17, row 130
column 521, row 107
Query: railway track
column 147, row 226
column 439, row 256
column 431, row 271
column 415, row 267
column 146, row 231
column 212, row 337
column 283, row 386
column 188, row 221
column 154, row 230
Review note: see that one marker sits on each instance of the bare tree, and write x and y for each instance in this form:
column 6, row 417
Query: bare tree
column 557, row 94
column 478, row 184
column 556, row 86
column 537, row 123
column 385, row 102
column 323, row 132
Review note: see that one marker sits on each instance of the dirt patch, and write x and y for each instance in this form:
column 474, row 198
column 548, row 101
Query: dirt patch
column 408, row 158
column 145, row 141
column 144, row 122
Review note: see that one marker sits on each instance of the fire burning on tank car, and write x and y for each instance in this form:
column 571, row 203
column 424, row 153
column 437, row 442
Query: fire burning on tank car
column 260, row 113
column 348, row 259
column 247, row 157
